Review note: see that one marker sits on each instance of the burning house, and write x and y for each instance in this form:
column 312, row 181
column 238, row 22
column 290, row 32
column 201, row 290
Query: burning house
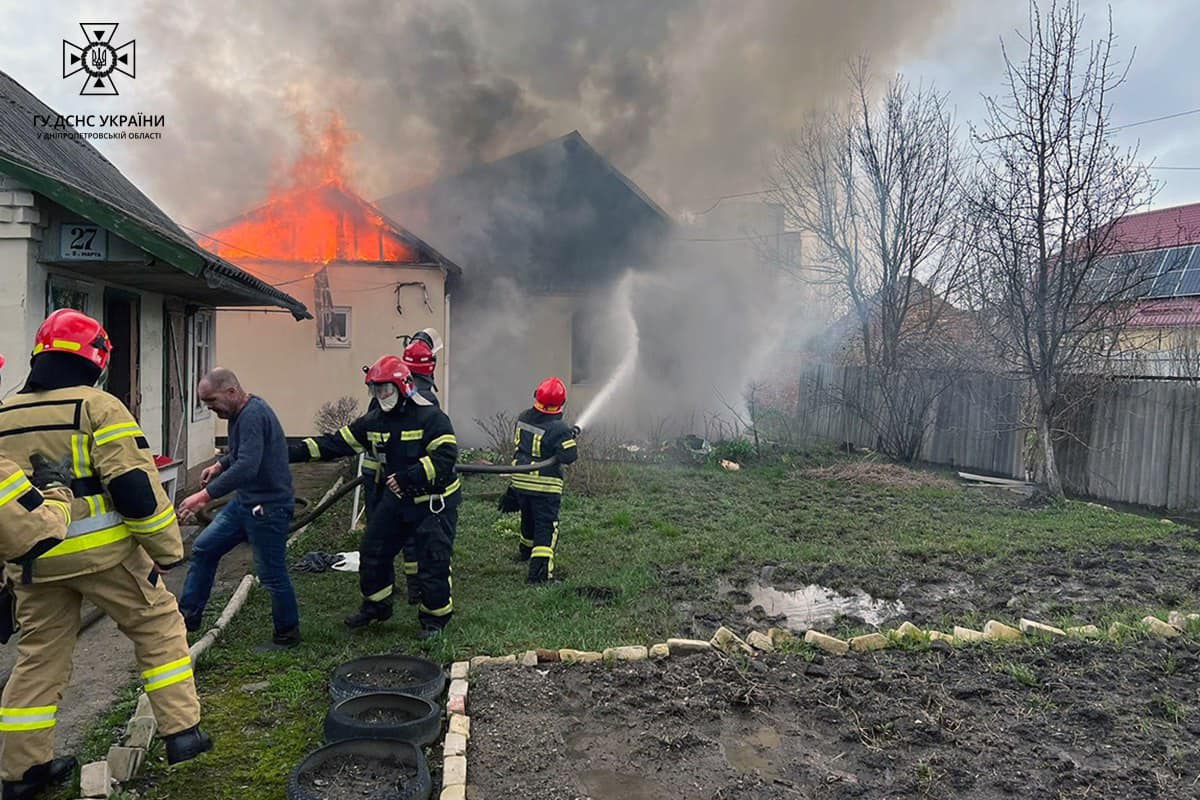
column 75, row 232
column 370, row 282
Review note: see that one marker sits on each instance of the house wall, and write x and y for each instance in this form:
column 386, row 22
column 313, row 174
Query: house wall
column 278, row 358
column 28, row 228
column 19, row 298
column 1172, row 351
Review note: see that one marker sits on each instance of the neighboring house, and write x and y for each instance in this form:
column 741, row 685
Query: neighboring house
column 74, row 232
column 935, row 334
column 1162, row 337
column 540, row 235
column 372, row 283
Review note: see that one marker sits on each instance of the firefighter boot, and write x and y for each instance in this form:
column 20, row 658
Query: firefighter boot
column 39, row 777
column 186, row 745
column 369, row 612
column 414, row 589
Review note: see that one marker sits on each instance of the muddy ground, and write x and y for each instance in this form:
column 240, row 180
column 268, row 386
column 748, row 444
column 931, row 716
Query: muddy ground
column 933, row 590
column 1068, row 720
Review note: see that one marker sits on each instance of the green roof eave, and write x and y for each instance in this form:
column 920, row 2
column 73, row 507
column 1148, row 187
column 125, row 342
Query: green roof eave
column 179, row 256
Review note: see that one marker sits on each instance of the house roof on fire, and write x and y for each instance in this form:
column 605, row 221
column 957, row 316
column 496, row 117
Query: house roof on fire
column 358, row 231
column 556, row 217
column 73, row 173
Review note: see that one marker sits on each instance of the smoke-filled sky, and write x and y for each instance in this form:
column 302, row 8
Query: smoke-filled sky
column 686, row 96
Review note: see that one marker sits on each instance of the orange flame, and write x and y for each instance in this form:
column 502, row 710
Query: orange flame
column 316, row 218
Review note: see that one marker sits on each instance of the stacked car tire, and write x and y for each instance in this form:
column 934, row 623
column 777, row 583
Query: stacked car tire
column 412, row 720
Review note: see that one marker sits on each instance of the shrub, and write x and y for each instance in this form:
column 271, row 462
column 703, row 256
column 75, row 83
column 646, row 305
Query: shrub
column 335, row 414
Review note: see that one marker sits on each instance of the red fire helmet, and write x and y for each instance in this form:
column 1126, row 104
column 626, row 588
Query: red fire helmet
column 391, row 369
column 71, row 331
column 550, row 396
column 419, row 358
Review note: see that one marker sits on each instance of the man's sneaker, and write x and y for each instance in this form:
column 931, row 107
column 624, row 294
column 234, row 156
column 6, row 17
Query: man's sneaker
column 186, row 745
column 39, row 777
column 367, row 613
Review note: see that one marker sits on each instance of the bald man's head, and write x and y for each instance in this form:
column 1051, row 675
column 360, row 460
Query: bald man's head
column 221, row 391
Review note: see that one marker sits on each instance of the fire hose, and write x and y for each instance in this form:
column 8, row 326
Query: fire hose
column 96, row 615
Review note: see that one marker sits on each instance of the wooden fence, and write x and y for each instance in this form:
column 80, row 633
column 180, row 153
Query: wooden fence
column 1132, row 442
column 972, row 418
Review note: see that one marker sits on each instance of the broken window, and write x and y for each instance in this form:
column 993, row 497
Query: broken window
column 335, row 326
column 66, row 293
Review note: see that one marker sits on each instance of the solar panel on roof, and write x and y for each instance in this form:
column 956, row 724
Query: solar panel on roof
column 1191, row 277
column 1171, row 272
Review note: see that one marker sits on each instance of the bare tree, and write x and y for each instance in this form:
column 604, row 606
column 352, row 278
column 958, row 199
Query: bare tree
column 875, row 187
column 1050, row 186
column 334, row 414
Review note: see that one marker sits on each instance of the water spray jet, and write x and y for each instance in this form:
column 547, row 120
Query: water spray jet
column 628, row 361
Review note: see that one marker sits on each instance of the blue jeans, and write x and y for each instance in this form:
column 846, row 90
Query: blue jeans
column 267, row 534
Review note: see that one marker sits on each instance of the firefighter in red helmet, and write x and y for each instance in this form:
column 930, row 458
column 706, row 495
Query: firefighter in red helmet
column 413, row 442
column 420, row 356
column 541, row 433
column 122, row 533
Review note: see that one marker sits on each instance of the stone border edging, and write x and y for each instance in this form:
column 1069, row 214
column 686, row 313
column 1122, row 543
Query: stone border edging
column 725, row 642
column 125, row 760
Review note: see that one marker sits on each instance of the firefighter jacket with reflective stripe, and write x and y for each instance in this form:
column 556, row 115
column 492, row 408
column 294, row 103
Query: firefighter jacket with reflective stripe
column 118, row 503
column 536, row 437
column 27, row 516
column 414, row 442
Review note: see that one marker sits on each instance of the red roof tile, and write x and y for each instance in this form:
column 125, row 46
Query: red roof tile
column 1164, row 227
column 1167, row 313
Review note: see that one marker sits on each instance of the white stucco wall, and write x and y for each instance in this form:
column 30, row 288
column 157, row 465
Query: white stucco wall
column 15, row 333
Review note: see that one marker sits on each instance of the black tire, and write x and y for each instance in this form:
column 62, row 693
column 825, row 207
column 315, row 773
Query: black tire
column 421, row 726
column 418, row 789
column 429, row 681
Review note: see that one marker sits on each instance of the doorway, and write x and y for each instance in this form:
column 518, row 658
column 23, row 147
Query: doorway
column 122, row 320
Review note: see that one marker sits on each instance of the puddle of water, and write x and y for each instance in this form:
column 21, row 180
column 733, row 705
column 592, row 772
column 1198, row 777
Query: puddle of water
column 603, row 784
column 812, row 605
column 755, row 753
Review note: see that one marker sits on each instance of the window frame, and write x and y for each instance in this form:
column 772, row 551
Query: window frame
column 203, row 320
column 334, row 341
column 55, row 280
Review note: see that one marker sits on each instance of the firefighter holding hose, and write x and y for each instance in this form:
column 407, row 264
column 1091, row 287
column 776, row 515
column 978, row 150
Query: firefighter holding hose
column 413, row 442
column 122, row 533
column 420, row 356
column 540, row 434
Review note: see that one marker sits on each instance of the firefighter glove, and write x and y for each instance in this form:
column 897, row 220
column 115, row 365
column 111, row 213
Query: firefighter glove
column 48, row 474
column 8, row 613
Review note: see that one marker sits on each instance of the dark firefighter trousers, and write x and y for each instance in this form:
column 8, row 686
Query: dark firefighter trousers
column 539, row 533
column 431, row 537
column 371, row 493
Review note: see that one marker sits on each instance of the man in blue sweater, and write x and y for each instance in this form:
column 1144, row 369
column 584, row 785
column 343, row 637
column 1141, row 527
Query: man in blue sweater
column 256, row 467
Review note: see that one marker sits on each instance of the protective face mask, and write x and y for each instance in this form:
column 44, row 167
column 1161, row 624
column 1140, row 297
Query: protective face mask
column 387, row 396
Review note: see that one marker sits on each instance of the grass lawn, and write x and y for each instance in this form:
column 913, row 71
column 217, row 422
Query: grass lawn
column 659, row 537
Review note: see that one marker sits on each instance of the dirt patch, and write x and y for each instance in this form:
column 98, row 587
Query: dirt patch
column 937, row 587
column 891, row 475
column 387, row 678
column 1069, row 720
column 384, row 716
column 356, row 777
